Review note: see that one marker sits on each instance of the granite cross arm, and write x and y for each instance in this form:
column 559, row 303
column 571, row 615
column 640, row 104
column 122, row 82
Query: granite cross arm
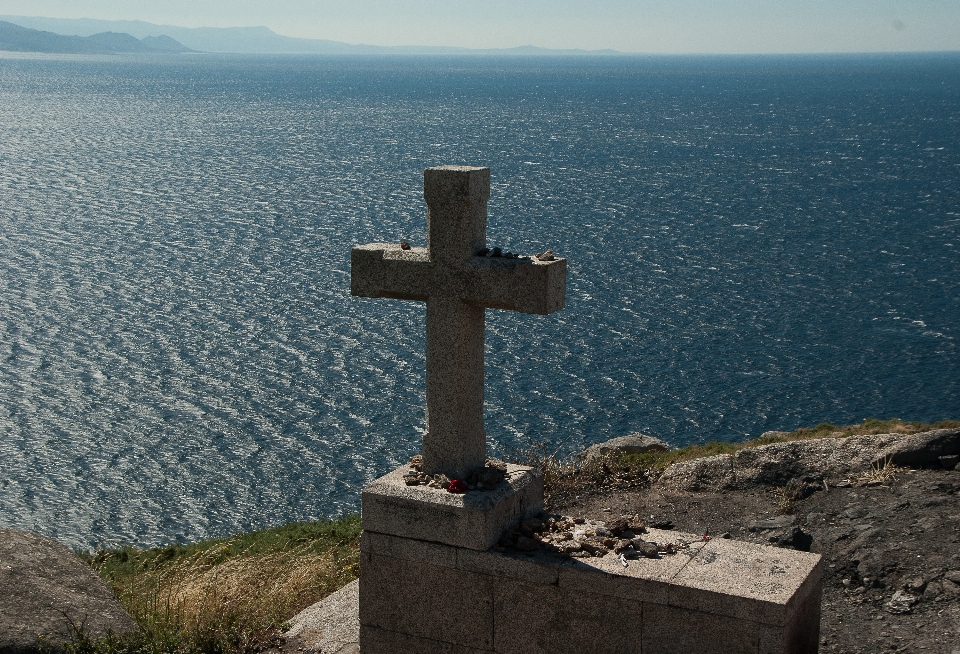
column 457, row 286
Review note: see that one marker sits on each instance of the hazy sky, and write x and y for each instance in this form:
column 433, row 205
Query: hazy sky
column 661, row 26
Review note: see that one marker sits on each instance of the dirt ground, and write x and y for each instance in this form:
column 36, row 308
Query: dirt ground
column 900, row 535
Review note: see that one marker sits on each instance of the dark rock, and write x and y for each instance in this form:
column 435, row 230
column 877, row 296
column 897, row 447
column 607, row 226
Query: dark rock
column 816, row 518
column 923, row 449
column 593, row 548
column 47, row 591
column 796, row 539
column 525, row 544
column 618, row 526
column 855, row 512
column 645, row 548
column 490, row 477
column 949, row 461
column 533, row 524
column 932, row 591
column 950, row 589
column 916, row 585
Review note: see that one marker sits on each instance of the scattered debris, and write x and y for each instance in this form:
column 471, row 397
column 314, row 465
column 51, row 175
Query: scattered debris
column 439, row 481
column 901, row 602
column 546, row 256
column 580, row 538
column 486, row 478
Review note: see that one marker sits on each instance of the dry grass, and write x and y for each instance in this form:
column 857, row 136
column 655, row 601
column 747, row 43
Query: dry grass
column 230, row 595
column 789, row 494
column 882, row 473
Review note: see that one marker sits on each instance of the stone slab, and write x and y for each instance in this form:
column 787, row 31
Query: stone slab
column 746, row 581
column 801, row 634
column 474, row 520
column 642, row 579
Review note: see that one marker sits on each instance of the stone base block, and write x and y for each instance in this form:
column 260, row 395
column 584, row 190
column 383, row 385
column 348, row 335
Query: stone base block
column 717, row 597
column 474, row 520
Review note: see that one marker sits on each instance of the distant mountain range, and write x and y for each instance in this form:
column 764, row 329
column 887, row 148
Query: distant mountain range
column 23, row 39
column 254, row 40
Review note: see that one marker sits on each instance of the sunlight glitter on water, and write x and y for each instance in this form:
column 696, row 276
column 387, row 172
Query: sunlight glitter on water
column 181, row 355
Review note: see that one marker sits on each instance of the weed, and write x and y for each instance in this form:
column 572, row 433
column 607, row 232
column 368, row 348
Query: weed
column 882, row 472
column 788, row 495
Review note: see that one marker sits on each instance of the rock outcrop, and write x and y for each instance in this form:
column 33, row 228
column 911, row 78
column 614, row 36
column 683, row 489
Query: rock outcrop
column 811, row 461
column 46, row 593
column 331, row 626
column 633, row 444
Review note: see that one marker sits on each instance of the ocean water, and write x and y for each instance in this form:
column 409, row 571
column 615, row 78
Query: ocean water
column 754, row 243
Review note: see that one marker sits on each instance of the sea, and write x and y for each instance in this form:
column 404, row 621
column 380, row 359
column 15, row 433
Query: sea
column 753, row 243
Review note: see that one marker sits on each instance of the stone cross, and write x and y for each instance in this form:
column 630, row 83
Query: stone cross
column 457, row 282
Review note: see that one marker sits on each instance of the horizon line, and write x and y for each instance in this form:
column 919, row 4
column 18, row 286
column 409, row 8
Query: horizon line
column 603, row 51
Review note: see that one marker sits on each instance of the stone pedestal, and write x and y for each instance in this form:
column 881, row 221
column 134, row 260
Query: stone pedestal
column 428, row 582
column 473, row 520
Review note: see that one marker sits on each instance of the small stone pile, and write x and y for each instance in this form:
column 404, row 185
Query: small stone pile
column 582, row 538
column 499, row 253
column 483, row 479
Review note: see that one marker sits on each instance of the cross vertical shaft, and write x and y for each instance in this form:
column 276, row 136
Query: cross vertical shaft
column 455, row 440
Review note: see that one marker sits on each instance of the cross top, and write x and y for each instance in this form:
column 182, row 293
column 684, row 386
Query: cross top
column 456, row 211
column 457, row 283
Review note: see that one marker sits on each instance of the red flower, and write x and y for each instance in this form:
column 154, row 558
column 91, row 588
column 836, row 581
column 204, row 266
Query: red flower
column 457, row 486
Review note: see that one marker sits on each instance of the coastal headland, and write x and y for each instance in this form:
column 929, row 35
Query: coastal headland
column 878, row 501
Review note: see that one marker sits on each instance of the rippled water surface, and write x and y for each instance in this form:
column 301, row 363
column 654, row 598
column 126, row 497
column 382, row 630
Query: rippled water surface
column 753, row 244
